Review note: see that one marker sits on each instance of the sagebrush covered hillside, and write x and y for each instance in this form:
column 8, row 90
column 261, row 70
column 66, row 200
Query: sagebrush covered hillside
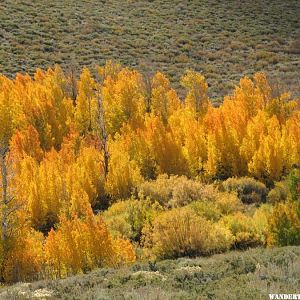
column 232, row 276
column 223, row 39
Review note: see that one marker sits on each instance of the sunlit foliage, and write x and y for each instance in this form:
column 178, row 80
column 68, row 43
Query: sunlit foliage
column 68, row 149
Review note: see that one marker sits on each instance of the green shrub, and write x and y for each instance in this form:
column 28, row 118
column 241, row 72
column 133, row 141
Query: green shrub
column 176, row 191
column 181, row 232
column 223, row 204
column 205, row 209
column 127, row 218
column 285, row 224
column 243, row 229
column 278, row 193
column 294, row 183
column 261, row 220
column 248, row 189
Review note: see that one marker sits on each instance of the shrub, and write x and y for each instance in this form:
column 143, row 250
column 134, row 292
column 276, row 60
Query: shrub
column 228, row 203
column 176, row 191
column 243, row 229
column 181, row 232
column 278, row 193
column 127, row 218
column 205, row 209
column 261, row 219
column 294, row 47
column 284, row 224
column 224, row 204
column 294, row 183
column 248, row 189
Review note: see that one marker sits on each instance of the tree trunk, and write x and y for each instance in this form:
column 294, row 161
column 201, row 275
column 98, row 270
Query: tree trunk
column 5, row 200
column 103, row 133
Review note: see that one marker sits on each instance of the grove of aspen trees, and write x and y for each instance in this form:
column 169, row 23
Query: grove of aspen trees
column 115, row 166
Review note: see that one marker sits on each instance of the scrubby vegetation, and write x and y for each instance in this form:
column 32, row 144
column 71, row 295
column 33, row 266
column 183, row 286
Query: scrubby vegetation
column 111, row 169
column 252, row 274
column 248, row 189
column 222, row 39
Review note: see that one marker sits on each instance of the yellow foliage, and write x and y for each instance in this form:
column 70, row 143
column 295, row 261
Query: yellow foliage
column 176, row 191
column 26, row 143
column 181, row 232
column 167, row 152
column 123, row 174
column 263, row 148
column 213, row 156
column 11, row 115
column 206, row 209
column 243, row 229
column 195, row 147
column 164, row 100
column 110, row 69
column 24, row 261
column 57, row 185
column 86, row 103
column 127, row 218
column 228, row 203
column 79, row 245
column 284, row 224
column 281, row 107
column 123, row 99
column 196, row 99
column 57, row 166
column 46, row 105
column 290, row 140
column 250, row 133
column 261, row 218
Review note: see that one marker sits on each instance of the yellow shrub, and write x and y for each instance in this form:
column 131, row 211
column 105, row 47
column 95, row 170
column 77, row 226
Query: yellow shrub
column 180, row 232
column 124, row 252
column 176, row 191
column 261, row 218
column 220, row 238
column 116, row 219
column 228, row 203
column 243, row 229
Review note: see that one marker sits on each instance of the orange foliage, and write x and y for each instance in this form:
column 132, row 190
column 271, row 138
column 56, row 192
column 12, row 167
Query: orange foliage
column 80, row 245
column 58, row 157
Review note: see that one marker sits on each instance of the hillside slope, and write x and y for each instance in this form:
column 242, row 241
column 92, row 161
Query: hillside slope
column 223, row 39
column 236, row 275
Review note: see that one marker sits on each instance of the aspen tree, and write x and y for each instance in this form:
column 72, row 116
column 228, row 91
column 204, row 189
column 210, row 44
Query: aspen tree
column 86, row 104
column 196, row 99
column 164, row 100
